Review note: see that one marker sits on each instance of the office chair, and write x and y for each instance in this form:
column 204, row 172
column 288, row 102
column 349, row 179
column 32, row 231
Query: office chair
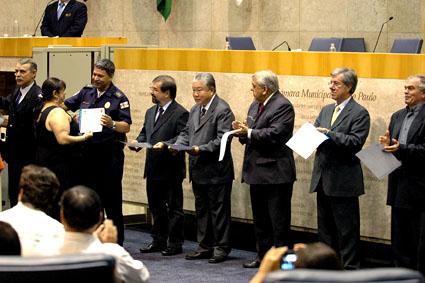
column 407, row 45
column 240, row 43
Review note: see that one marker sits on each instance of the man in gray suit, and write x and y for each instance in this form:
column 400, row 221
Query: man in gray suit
column 211, row 179
column 337, row 174
column 405, row 138
column 164, row 172
column 268, row 166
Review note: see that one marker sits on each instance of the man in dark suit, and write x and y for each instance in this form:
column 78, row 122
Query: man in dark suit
column 20, row 141
column 164, row 172
column 337, row 174
column 268, row 166
column 64, row 18
column 211, row 179
column 405, row 138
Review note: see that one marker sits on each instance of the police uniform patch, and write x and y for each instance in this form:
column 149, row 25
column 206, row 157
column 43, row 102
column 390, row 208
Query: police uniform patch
column 118, row 94
column 124, row 105
column 107, row 105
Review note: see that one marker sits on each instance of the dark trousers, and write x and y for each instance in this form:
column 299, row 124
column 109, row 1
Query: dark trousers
column 339, row 226
column 165, row 198
column 14, row 175
column 271, row 211
column 213, row 217
column 104, row 170
column 408, row 238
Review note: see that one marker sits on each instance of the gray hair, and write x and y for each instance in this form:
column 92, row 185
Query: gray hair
column 33, row 65
column 106, row 65
column 349, row 77
column 207, row 78
column 267, row 78
column 422, row 82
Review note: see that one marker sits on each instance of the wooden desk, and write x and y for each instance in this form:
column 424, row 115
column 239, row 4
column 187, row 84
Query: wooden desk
column 22, row 46
column 367, row 65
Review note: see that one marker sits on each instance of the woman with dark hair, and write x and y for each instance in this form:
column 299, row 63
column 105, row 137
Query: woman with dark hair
column 57, row 135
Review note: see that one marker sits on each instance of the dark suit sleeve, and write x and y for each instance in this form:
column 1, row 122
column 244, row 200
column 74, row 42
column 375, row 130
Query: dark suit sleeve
column 414, row 152
column 5, row 102
column 183, row 137
column 79, row 23
column 224, row 124
column 180, row 125
column 279, row 128
column 45, row 30
column 357, row 134
column 142, row 135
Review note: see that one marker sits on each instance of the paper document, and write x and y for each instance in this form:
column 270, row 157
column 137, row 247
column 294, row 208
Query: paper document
column 223, row 143
column 90, row 120
column 138, row 144
column 380, row 163
column 179, row 146
column 306, row 140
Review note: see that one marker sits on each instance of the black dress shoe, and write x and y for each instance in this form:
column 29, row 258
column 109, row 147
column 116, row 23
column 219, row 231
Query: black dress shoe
column 152, row 249
column 171, row 251
column 252, row 264
column 217, row 259
column 197, row 255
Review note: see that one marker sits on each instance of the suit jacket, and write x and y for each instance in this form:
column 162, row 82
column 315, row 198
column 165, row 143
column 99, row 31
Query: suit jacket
column 163, row 165
column 71, row 22
column 406, row 185
column 267, row 159
column 206, row 134
column 335, row 162
column 20, row 140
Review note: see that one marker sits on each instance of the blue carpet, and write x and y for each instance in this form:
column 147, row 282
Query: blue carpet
column 177, row 269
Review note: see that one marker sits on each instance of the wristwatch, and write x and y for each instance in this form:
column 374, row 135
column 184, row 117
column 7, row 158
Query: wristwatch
column 114, row 125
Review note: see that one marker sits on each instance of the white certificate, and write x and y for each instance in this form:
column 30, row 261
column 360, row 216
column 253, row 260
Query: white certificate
column 90, row 120
column 380, row 163
column 306, row 140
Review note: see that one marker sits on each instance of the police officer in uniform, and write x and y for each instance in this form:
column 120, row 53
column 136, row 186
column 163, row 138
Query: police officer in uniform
column 103, row 154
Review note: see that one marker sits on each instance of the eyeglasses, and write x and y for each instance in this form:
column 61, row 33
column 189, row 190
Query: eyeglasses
column 335, row 83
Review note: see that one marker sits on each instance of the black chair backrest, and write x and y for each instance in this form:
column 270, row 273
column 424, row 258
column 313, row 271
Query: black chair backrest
column 407, row 45
column 240, row 43
column 353, row 45
column 324, row 44
column 79, row 268
column 388, row 275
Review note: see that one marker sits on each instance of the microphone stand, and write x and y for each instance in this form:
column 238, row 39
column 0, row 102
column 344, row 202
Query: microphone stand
column 289, row 48
column 376, row 44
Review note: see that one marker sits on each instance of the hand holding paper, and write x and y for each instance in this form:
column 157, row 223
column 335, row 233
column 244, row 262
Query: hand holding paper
column 306, row 140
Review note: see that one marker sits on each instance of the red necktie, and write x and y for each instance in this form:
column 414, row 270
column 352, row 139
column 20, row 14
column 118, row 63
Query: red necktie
column 260, row 108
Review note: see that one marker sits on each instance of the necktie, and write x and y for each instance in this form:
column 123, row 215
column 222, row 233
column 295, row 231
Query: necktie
column 336, row 111
column 260, row 108
column 203, row 111
column 161, row 111
column 19, row 98
column 60, row 10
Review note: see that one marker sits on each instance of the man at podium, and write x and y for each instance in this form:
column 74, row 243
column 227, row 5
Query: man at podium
column 64, row 18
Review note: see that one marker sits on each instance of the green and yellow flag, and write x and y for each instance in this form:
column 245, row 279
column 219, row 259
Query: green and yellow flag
column 164, row 8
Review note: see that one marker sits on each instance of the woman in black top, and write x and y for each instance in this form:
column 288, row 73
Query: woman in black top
column 58, row 142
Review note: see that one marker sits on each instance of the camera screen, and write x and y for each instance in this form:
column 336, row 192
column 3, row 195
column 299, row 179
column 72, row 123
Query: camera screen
column 288, row 261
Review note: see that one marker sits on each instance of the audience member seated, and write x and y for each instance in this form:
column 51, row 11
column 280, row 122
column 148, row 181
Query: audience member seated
column 312, row 256
column 38, row 188
column 9, row 240
column 81, row 213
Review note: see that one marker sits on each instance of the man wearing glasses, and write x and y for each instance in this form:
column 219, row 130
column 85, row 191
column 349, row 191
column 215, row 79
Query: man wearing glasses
column 337, row 175
column 164, row 172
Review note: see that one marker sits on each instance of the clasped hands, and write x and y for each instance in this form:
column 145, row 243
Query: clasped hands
column 385, row 141
column 241, row 128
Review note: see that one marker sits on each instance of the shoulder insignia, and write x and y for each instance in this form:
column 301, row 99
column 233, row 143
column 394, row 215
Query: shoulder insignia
column 88, row 86
column 118, row 94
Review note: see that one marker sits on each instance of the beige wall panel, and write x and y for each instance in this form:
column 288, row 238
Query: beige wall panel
column 407, row 16
column 140, row 16
column 269, row 40
column 323, row 15
column 227, row 16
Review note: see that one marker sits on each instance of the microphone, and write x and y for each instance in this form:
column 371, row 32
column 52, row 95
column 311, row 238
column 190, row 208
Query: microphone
column 42, row 16
column 381, row 32
column 289, row 48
